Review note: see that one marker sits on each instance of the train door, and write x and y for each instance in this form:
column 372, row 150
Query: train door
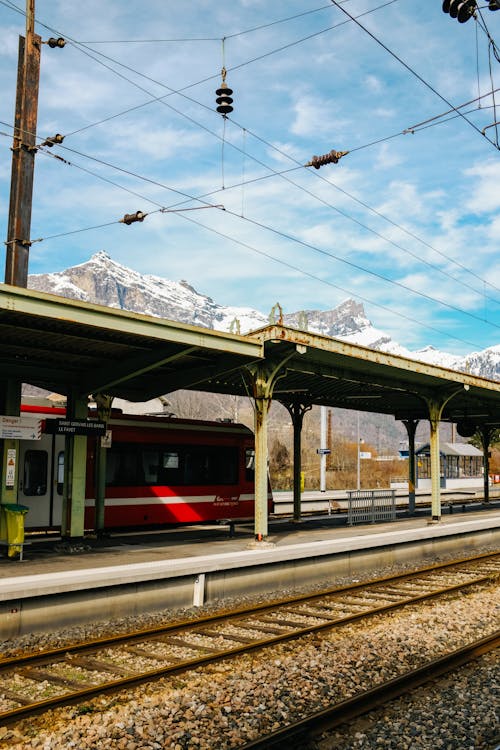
column 41, row 477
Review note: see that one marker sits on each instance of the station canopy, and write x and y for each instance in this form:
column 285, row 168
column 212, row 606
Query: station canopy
column 68, row 346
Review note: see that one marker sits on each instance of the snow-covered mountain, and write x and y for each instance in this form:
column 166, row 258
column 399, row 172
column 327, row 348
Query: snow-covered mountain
column 104, row 282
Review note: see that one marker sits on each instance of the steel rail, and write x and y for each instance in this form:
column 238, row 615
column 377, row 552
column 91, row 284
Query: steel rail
column 348, row 710
column 93, row 644
column 25, row 663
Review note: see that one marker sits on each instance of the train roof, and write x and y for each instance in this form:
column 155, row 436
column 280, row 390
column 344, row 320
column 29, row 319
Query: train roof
column 172, row 422
column 49, row 407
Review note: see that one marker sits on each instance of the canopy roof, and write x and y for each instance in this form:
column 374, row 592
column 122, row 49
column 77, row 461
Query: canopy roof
column 64, row 345
column 68, row 346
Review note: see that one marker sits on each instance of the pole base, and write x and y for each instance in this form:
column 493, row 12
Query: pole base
column 434, row 519
column 260, row 543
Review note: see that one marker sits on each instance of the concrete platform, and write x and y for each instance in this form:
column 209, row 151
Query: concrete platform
column 130, row 574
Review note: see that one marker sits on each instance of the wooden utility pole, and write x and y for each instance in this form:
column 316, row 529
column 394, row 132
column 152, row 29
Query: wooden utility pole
column 23, row 154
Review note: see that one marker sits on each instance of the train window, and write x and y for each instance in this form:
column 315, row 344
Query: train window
column 123, row 466
column 169, row 467
column 60, row 472
column 171, row 460
column 249, row 464
column 211, row 465
column 35, row 473
column 134, row 465
column 150, row 466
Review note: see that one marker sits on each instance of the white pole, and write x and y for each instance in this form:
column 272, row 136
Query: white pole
column 322, row 442
column 358, row 485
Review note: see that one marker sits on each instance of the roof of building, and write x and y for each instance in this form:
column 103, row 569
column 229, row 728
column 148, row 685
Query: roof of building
column 453, row 449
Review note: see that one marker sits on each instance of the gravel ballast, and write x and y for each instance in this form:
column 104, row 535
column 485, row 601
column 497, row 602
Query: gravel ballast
column 226, row 704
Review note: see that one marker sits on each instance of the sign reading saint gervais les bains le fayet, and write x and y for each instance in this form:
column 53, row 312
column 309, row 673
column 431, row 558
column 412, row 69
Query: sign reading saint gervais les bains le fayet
column 87, row 427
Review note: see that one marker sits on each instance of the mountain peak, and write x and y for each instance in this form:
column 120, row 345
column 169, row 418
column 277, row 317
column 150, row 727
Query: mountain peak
column 103, row 281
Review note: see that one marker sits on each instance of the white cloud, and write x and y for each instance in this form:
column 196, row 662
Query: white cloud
column 484, row 195
column 335, row 90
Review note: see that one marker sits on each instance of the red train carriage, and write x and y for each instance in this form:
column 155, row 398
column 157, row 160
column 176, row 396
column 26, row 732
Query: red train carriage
column 158, row 471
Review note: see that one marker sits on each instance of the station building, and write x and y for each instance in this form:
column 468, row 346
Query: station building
column 460, row 466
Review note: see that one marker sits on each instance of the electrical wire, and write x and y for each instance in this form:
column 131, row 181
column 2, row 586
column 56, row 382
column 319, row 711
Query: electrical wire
column 343, row 213
column 330, row 284
column 321, row 251
column 317, row 175
column 360, row 268
column 455, row 109
column 492, row 49
column 81, row 46
column 288, row 265
column 326, row 203
column 217, row 39
column 356, row 266
column 411, row 70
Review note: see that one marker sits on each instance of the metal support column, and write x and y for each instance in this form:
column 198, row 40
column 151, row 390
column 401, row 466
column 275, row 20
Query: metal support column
column 103, row 403
column 297, row 408
column 264, row 378
column 436, row 407
column 434, row 417
column 485, row 434
column 262, row 406
column 100, row 487
column 411, row 428
column 75, row 464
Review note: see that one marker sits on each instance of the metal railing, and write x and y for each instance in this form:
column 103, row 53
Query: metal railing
column 369, row 506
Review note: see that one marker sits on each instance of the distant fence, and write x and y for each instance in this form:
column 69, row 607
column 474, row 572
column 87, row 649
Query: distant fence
column 369, row 506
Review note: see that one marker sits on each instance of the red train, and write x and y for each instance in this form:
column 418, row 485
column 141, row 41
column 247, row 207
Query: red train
column 159, row 470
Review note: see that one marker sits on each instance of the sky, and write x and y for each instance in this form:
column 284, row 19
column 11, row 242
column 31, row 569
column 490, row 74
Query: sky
column 407, row 222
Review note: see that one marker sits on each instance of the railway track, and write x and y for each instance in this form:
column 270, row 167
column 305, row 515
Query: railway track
column 300, row 733
column 36, row 682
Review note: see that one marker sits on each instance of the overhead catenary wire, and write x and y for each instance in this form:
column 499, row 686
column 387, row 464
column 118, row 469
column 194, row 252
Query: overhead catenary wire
column 275, row 173
column 455, row 109
column 328, row 254
column 261, row 27
column 343, row 213
column 248, row 62
column 286, row 264
column 492, row 49
column 201, row 199
column 308, row 274
column 410, row 69
column 81, row 46
column 408, row 232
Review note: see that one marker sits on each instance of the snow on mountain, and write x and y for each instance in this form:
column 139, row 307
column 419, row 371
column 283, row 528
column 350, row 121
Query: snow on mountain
column 102, row 281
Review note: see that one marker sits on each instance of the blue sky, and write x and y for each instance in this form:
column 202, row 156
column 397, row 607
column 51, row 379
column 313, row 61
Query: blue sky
column 408, row 224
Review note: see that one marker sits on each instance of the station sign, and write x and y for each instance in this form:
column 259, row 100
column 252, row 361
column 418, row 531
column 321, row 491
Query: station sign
column 365, row 454
column 86, row 427
column 25, row 427
column 323, row 451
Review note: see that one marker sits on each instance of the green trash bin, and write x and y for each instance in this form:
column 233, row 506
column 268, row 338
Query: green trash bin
column 12, row 527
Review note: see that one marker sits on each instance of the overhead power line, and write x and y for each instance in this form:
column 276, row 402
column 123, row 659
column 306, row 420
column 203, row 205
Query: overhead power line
column 261, row 27
column 330, row 284
column 455, row 109
column 300, row 187
column 411, row 70
column 321, row 251
column 326, row 203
